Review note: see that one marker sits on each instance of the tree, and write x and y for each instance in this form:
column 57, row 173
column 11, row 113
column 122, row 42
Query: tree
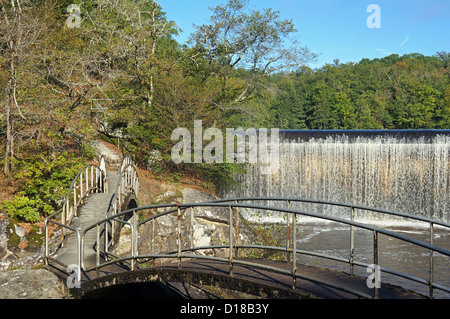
column 129, row 33
column 18, row 31
column 256, row 41
column 321, row 114
column 287, row 108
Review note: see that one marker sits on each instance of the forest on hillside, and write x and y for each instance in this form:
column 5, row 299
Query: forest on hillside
column 66, row 66
column 395, row 92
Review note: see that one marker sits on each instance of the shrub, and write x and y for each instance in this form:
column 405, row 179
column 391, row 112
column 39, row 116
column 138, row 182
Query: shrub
column 44, row 183
column 23, row 208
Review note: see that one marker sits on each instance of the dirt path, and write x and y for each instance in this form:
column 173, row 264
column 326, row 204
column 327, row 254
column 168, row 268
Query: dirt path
column 112, row 155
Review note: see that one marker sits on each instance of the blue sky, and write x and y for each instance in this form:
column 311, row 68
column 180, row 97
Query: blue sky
column 338, row 28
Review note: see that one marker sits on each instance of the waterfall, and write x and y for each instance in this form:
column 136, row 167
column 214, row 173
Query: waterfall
column 399, row 170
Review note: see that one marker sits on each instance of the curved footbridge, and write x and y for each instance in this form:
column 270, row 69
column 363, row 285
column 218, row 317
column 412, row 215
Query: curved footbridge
column 101, row 202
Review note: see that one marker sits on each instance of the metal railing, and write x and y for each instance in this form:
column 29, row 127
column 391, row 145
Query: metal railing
column 431, row 222
column 91, row 178
column 291, row 235
column 127, row 183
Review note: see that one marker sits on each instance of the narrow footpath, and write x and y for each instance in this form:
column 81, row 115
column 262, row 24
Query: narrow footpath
column 94, row 209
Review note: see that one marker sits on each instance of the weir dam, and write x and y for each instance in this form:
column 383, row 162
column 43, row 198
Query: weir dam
column 399, row 170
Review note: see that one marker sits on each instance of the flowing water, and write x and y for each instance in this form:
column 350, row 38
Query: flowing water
column 403, row 171
column 334, row 239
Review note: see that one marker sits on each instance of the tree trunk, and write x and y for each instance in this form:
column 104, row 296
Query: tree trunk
column 9, row 137
column 10, row 98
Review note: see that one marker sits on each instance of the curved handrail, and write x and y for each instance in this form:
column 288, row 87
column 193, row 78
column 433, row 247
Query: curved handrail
column 99, row 184
column 130, row 175
column 128, row 180
column 79, row 241
column 126, row 161
column 95, row 180
column 97, row 226
column 323, row 202
column 177, row 254
column 296, row 212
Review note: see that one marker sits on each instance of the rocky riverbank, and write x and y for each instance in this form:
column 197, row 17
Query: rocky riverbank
column 31, row 284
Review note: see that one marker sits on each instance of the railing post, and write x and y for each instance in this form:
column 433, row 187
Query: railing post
column 236, row 230
column 92, row 178
column 230, row 258
column 120, row 192
column 87, row 182
column 96, row 180
column 113, row 230
column 81, row 188
column 67, row 210
column 101, row 182
column 106, row 240
column 137, row 187
column 81, row 248
column 79, row 255
column 352, row 242
column 431, row 260
column 97, row 259
column 63, row 220
column 153, row 240
column 74, row 199
column 288, row 233
column 179, row 236
column 132, row 247
column 131, row 182
column 294, row 251
column 136, row 233
column 46, row 242
column 375, row 258
column 105, row 183
column 191, row 228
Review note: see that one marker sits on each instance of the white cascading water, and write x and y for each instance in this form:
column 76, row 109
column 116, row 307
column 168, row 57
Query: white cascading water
column 403, row 171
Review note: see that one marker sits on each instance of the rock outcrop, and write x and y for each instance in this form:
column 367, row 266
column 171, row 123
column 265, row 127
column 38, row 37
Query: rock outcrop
column 31, row 284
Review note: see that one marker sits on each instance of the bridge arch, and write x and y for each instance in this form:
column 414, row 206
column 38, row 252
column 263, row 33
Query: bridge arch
column 174, row 283
column 129, row 203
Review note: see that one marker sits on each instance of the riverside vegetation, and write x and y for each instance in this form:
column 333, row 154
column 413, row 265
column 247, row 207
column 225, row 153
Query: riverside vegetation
column 123, row 67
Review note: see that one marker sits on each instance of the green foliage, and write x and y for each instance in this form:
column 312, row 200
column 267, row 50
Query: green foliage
column 396, row 92
column 23, row 208
column 222, row 175
column 44, row 183
column 242, row 46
